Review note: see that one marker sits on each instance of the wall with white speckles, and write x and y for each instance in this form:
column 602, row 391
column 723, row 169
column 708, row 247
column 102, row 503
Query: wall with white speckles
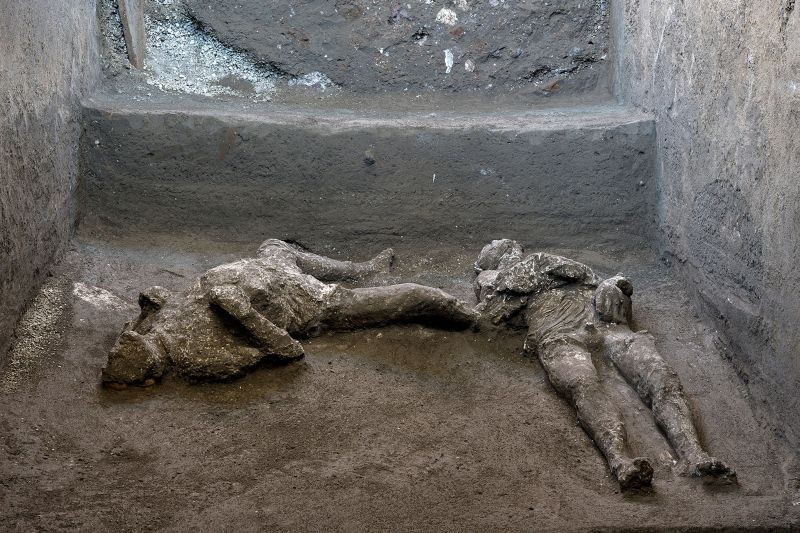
column 48, row 58
column 722, row 79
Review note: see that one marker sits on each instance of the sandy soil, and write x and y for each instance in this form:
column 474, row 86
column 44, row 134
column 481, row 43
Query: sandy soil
column 399, row 429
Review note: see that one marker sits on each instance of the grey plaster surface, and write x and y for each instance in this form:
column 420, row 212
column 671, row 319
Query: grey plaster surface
column 332, row 176
column 48, row 58
column 723, row 79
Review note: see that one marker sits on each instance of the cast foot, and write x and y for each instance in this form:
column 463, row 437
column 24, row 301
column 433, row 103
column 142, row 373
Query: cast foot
column 465, row 316
column 382, row 263
column 711, row 467
column 634, row 474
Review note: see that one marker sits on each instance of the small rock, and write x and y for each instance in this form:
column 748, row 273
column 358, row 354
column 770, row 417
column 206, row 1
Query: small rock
column 447, row 17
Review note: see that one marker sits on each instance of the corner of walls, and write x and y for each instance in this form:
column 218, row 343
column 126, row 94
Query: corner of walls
column 49, row 58
column 722, row 80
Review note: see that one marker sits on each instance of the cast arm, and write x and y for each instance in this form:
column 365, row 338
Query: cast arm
column 233, row 301
column 570, row 271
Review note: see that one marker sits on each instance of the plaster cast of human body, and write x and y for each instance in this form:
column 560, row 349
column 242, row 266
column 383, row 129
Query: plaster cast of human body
column 242, row 314
column 569, row 313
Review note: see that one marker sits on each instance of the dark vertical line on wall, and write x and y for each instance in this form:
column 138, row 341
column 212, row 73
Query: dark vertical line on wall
column 617, row 36
column 788, row 9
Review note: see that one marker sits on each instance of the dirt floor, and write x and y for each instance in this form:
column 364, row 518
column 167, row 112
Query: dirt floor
column 399, row 429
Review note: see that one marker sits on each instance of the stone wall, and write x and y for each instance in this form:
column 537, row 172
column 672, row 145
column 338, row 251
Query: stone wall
column 48, row 58
column 723, row 79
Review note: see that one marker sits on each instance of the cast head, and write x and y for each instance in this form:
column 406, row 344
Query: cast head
column 134, row 359
column 138, row 355
column 499, row 254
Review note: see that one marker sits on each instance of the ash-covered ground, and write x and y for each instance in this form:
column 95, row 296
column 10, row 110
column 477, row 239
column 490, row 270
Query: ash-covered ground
column 404, row 428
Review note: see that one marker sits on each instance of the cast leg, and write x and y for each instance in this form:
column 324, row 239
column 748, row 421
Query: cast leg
column 408, row 302
column 570, row 369
column 233, row 301
column 659, row 386
column 327, row 269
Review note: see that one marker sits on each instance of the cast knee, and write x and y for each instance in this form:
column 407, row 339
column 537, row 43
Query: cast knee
column 663, row 382
column 422, row 290
column 570, row 370
column 420, row 295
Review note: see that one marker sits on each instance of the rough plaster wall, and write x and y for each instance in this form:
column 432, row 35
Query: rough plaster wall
column 48, row 57
column 723, row 78
column 343, row 179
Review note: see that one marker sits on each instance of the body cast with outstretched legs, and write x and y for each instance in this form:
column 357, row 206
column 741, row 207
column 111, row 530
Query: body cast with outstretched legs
column 569, row 313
